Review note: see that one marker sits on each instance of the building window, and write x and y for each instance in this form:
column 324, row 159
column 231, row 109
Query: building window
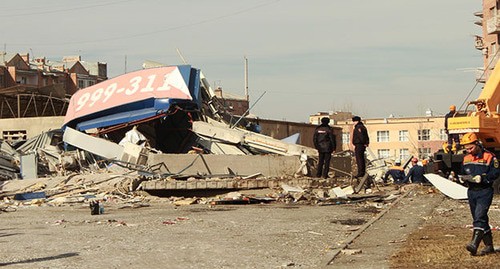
column 424, row 135
column 404, row 154
column 81, row 84
column 424, row 153
column 403, row 135
column 443, row 135
column 346, row 138
column 382, row 136
column 383, row 153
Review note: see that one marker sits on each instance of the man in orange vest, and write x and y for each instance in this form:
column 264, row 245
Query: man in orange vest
column 396, row 172
column 479, row 169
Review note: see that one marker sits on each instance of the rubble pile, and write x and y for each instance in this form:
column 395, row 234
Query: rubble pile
column 119, row 142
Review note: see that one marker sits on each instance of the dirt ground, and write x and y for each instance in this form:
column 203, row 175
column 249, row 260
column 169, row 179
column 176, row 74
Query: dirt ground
column 421, row 230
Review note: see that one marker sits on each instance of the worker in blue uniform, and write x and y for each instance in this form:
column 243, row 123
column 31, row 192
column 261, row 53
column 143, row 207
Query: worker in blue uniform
column 395, row 172
column 416, row 173
column 479, row 169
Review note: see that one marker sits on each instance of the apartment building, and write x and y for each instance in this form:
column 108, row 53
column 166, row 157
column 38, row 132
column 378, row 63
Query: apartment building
column 396, row 138
column 236, row 105
column 37, row 90
column 489, row 21
column 71, row 72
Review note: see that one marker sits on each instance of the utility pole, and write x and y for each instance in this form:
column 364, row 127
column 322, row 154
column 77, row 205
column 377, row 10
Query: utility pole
column 180, row 55
column 4, row 52
column 125, row 71
column 246, row 78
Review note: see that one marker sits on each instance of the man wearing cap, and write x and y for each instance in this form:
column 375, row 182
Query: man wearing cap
column 451, row 137
column 479, row 169
column 416, row 173
column 324, row 142
column 360, row 140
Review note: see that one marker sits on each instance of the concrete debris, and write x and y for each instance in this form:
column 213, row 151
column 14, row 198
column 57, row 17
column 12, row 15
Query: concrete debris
column 351, row 251
column 291, row 189
column 338, row 192
column 183, row 139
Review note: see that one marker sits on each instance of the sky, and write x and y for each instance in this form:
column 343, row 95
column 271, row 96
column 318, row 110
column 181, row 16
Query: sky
column 374, row 58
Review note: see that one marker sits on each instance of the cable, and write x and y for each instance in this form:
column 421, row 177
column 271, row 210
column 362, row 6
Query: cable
column 157, row 31
column 477, row 81
column 65, row 9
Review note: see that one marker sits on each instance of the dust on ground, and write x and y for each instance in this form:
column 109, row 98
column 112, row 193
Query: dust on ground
column 440, row 241
column 422, row 230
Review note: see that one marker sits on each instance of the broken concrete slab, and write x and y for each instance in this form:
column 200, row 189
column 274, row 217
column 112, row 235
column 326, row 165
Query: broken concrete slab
column 243, row 165
column 95, row 145
column 222, row 132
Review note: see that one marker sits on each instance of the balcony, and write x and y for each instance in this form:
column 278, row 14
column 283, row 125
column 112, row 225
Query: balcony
column 478, row 42
column 493, row 25
column 480, row 77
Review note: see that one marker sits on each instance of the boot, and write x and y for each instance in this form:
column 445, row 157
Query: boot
column 477, row 236
column 488, row 242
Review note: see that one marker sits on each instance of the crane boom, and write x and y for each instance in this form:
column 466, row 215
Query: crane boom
column 484, row 119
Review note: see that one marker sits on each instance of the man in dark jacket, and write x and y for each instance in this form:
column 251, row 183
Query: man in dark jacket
column 451, row 137
column 324, row 142
column 416, row 173
column 360, row 140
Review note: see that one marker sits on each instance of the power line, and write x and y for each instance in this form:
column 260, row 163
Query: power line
column 157, row 31
column 63, row 9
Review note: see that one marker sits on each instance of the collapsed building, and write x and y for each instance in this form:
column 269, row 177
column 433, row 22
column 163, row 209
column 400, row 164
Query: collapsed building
column 165, row 122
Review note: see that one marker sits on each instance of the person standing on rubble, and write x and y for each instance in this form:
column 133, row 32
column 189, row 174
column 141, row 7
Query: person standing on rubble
column 479, row 169
column 360, row 141
column 451, row 137
column 324, row 142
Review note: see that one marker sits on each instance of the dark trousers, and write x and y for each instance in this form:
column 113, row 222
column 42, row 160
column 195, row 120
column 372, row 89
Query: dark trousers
column 359, row 152
column 479, row 203
column 324, row 164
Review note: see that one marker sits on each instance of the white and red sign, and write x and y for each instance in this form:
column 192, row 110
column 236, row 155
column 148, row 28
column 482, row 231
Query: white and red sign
column 163, row 82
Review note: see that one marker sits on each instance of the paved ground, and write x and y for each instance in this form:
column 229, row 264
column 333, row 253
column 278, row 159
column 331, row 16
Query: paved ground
column 382, row 238
column 165, row 236
column 273, row 235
